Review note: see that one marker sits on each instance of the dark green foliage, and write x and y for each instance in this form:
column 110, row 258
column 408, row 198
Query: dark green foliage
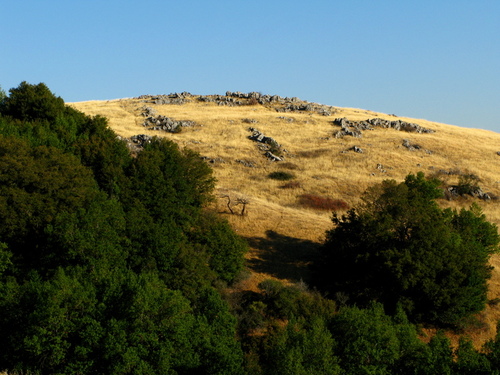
column 224, row 248
column 492, row 351
column 439, row 359
column 107, row 263
column 170, row 183
column 287, row 302
column 5, row 258
column 367, row 340
column 33, row 113
column 401, row 248
column 32, row 102
column 39, row 185
column 469, row 361
column 300, row 348
column 281, row 175
column 100, row 149
column 125, row 323
column 467, row 184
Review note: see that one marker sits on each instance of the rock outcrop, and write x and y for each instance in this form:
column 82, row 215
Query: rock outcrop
column 281, row 104
column 356, row 128
column 272, row 149
column 158, row 122
column 454, row 191
column 175, row 98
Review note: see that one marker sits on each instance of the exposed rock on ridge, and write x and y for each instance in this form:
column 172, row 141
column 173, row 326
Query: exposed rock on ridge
column 355, row 128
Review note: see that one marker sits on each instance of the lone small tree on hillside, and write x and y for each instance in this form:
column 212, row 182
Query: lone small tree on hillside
column 400, row 248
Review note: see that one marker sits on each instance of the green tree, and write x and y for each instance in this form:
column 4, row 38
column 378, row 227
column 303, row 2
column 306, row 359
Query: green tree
column 399, row 247
column 469, row 361
column 300, row 349
column 107, row 262
column 169, row 182
column 38, row 185
column 367, row 341
column 224, row 248
column 32, row 102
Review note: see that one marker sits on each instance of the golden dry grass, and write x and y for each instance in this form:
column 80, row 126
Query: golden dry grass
column 274, row 216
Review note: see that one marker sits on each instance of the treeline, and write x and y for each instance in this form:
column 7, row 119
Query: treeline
column 111, row 264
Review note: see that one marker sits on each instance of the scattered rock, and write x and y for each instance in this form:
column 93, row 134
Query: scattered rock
column 272, row 157
column 246, row 163
column 166, row 124
column 249, row 121
column 268, row 145
column 355, row 128
column 450, row 172
column 148, row 111
column 357, row 149
column 260, row 137
column 409, row 146
column 217, row 160
column 287, row 119
column 141, row 139
column 453, row 191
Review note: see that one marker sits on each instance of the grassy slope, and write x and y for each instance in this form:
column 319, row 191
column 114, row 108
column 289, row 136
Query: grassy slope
column 282, row 234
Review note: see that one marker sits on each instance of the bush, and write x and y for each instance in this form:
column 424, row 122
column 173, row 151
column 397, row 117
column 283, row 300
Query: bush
column 281, row 176
column 275, row 148
column 468, row 184
column 322, row 203
column 399, row 247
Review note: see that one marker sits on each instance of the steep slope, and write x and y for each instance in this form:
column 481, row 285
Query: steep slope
column 282, row 232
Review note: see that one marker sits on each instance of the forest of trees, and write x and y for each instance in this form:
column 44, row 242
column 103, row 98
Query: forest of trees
column 114, row 264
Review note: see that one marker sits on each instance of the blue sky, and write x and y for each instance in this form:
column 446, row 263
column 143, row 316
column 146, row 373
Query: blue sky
column 438, row 60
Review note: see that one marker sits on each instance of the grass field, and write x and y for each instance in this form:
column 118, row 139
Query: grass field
column 282, row 232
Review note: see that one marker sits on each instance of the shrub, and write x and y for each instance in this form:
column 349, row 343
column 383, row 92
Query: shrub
column 281, row 176
column 468, row 184
column 322, row 203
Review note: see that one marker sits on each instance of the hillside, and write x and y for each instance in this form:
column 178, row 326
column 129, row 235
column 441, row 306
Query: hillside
column 282, row 232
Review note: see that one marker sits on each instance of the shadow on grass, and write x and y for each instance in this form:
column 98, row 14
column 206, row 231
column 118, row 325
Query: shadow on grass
column 282, row 256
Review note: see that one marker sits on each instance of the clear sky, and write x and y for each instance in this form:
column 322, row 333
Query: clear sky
column 432, row 59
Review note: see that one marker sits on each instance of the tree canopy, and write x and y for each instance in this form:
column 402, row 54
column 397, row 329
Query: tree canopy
column 400, row 248
column 108, row 263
